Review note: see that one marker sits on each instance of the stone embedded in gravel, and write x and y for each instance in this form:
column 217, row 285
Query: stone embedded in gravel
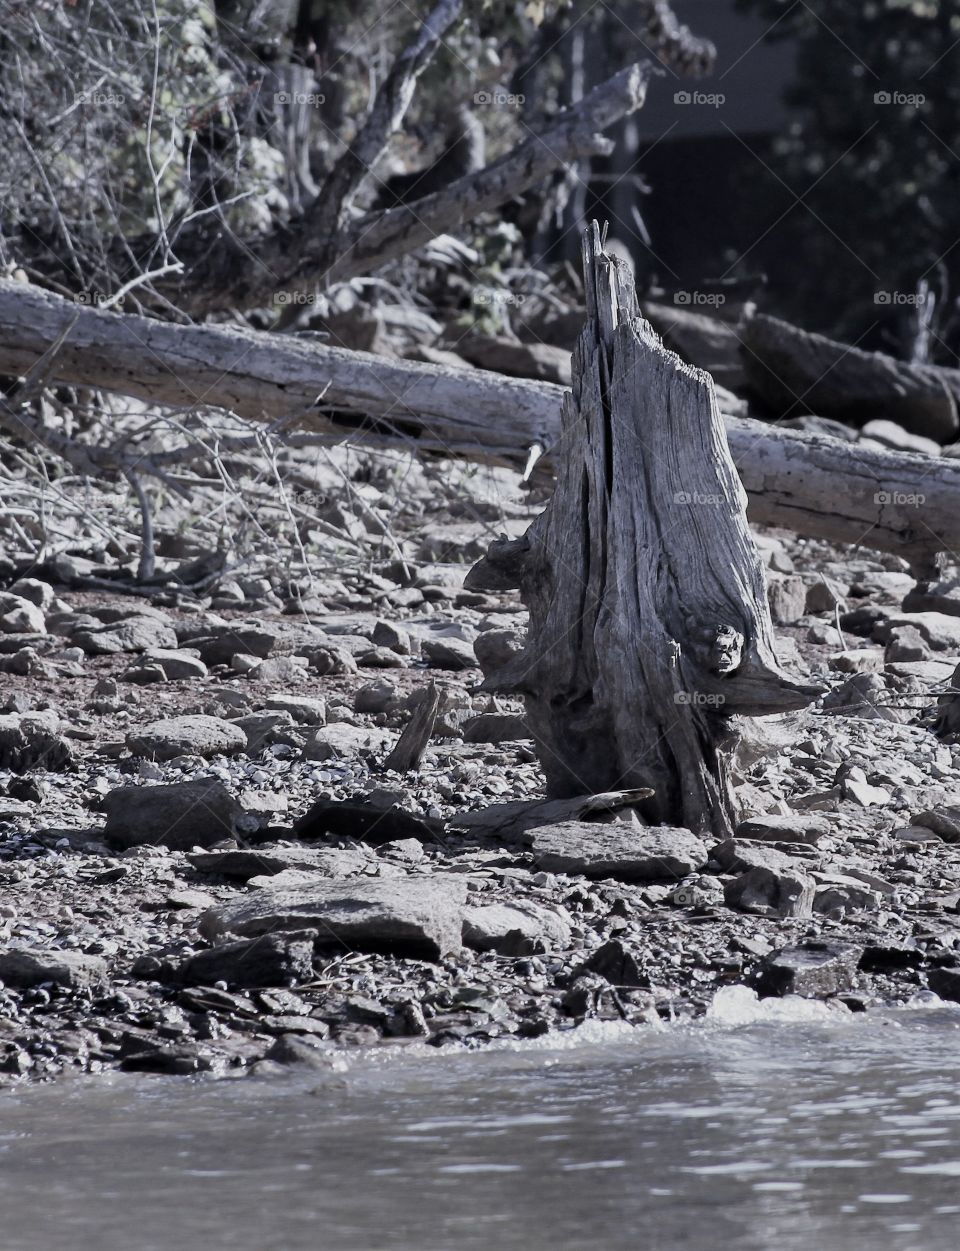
column 496, row 727
column 837, row 893
column 331, row 661
column 264, row 729
column 770, row 882
column 339, row 741
column 20, row 616
column 943, row 821
column 945, row 983
column 195, row 735
column 939, row 631
column 825, row 595
column 269, row 960
column 304, row 711
column 32, row 740
column 511, row 819
column 617, row 964
column 279, row 669
column 787, row 597
column 372, row 822
column 418, row 917
column 380, row 658
column 798, row 827
column 518, row 928
column 858, row 660
column 221, row 643
column 387, row 634
column 374, row 697
column 133, row 634
column 29, row 966
column 619, row 850
column 767, row 893
column 37, row 592
column 815, row 969
column 854, row 786
column 448, row 653
column 941, row 596
column 494, row 648
column 174, row 665
column 182, row 815
column 243, row 864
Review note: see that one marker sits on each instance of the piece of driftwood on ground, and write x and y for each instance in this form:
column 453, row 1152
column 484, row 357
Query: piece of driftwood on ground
column 412, row 743
column 795, row 372
column 649, row 626
column 814, row 485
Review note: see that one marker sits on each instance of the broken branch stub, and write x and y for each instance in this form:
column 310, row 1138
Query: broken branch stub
column 649, row 627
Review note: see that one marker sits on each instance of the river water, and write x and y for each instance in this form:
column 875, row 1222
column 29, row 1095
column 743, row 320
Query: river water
column 804, row 1131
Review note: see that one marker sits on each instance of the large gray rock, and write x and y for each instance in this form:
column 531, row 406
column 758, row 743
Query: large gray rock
column 420, row 917
column 174, row 665
column 20, row 616
column 337, row 741
column 940, row 631
column 770, row 882
column 134, row 634
column 29, row 966
column 186, row 736
column 183, row 815
column 520, row 928
column 32, row 740
column 620, row 850
column 269, row 960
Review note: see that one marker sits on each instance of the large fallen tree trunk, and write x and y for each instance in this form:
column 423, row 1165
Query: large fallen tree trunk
column 795, row 372
column 649, row 628
column 817, row 486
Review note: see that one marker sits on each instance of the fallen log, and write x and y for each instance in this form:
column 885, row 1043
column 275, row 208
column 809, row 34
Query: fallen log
column 795, row 372
column 649, row 632
column 814, row 485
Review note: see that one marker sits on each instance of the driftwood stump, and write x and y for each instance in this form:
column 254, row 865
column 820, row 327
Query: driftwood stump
column 649, row 628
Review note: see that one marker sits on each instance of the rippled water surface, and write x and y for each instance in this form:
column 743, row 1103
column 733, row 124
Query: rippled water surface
column 818, row 1136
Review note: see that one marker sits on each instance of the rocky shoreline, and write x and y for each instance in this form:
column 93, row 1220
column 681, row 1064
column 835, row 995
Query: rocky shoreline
column 205, row 868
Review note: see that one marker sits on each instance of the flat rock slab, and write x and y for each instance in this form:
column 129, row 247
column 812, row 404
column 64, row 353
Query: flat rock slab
column 619, row 850
column 417, row 917
column 340, row 741
column 520, row 928
column 183, row 815
column 27, row 966
column 245, row 863
column 798, row 827
column 511, row 819
column 187, row 736
column 136, row 634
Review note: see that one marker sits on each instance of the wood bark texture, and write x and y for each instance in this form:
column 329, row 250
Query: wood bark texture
column 795, row 372
column 649, row 627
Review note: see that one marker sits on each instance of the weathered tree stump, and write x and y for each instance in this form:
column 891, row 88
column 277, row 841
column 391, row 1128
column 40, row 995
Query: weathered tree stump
column 649, row 628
